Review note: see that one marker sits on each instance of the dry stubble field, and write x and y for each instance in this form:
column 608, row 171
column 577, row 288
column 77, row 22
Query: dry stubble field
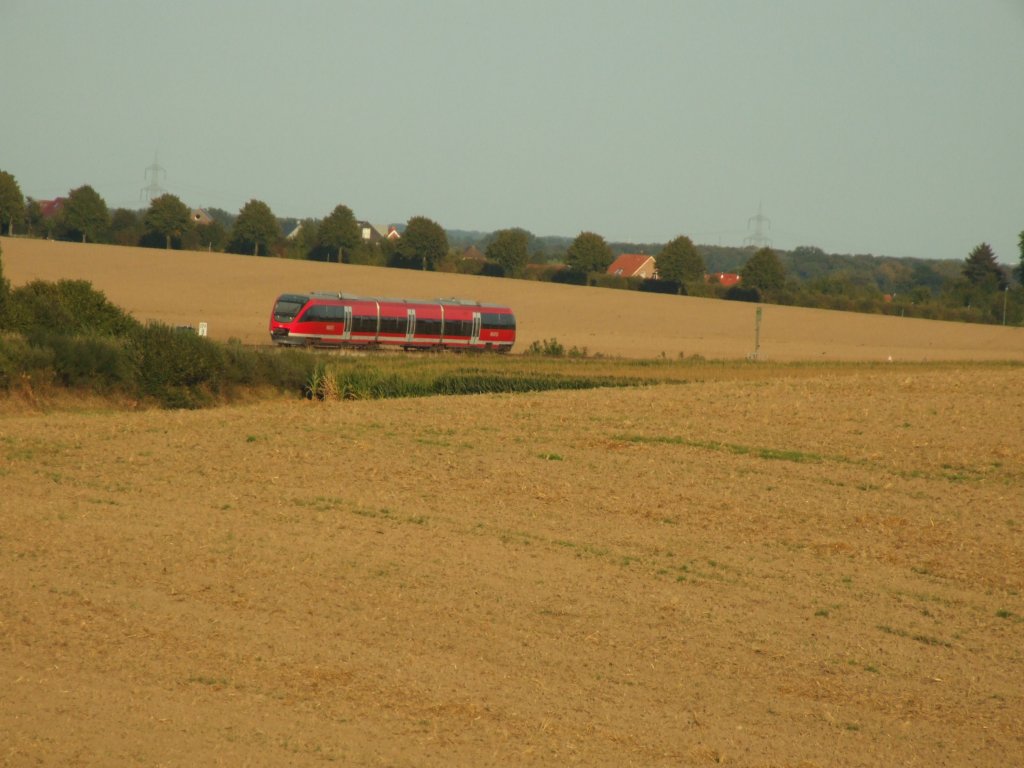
column 768, row 566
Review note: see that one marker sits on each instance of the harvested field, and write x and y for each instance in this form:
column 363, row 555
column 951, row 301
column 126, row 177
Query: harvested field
column 818, row 570
column 234, row 294
column 760, row 565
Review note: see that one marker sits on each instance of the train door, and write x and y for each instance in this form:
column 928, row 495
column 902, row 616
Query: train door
column 474, row 336
column 346, row 334
column 410, row 324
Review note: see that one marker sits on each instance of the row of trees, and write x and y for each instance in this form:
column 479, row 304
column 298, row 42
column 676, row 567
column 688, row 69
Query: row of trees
column 979, row 290
column 680, row 264
column 255, row 230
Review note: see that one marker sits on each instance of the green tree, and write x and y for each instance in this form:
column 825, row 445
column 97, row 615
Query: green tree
column 894, row 277
column 85, row 215
column 373, row 254
column 926, row 275
column 37, row 225
column 423, row 245
column 12, row 204
column 338, row 234
column 301, row 243
column 205, row 237
column 222, row 217
column 1020, row 267
column 680, row 262
column 254, row 227
column 510, row 250
column 5, row 292
column 125, row 227
column 981, row 270
column 167, row 218
column 588, row 253
column 764, row 271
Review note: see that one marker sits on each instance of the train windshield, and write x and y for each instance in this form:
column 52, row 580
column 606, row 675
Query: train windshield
column 287, row 307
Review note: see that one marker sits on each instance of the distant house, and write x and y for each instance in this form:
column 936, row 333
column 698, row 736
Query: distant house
column 294, row 232
column 726, row 279
column 634, row 265
column 374, row 233
column 472, row 253
column 200, row 217
column 51, row 208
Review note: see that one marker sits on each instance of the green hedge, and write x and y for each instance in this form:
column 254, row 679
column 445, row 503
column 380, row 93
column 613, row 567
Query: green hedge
column 68, row 308
column 177, row 368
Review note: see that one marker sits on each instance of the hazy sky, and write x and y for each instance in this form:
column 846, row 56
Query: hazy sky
column 892, row 127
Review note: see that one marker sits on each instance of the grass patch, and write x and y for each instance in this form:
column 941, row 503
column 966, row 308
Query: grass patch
column 773, row 454
column 213, row 682
column 392, row 376
column 923, row 639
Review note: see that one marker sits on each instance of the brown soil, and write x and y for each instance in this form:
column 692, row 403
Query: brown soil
column 234, row 294
column 754, row 570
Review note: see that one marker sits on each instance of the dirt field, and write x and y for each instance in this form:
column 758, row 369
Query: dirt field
column 234, row 294
column 820, row 567
column 805, row 571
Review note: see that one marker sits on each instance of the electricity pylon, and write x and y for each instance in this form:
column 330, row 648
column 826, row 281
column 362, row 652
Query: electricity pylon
column 153, row 190
column 759, row 239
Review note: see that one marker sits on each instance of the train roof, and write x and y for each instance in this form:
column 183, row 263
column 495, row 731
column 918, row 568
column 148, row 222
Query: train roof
column 334, row 296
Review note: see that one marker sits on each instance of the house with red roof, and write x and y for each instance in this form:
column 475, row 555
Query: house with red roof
column 634, row 265
column 725, row 279
column 51, row 208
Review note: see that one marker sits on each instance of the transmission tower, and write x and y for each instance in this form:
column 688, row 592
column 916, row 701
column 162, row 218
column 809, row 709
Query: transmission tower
column 758, row 239
column 153, row 190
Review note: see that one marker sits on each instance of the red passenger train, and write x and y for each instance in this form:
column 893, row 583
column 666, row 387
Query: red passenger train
column 343, row 320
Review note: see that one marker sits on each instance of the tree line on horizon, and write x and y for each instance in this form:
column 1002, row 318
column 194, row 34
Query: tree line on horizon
column 977, row 289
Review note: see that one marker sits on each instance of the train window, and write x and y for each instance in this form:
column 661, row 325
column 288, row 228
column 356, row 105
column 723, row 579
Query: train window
column 457, row 328
column 364, row 324
column 393, row 324
column 318, row 313
column 287, row 308
column 494, row 320
column 428, row 326
column 323, row 313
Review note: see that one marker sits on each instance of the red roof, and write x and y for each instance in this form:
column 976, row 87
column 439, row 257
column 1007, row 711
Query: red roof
column 633, row 265
column 728, row 279
column 50, row 208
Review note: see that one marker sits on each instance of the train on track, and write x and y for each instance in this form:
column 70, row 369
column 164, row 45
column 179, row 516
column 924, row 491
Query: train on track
column 340, row 320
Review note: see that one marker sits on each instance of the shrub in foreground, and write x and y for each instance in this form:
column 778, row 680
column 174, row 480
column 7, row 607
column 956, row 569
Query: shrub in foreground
column 93, row 362
column 68, row 308
column 19, row 359
column 178, row 369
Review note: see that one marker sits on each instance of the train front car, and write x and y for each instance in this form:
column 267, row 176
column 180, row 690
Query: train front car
column 282, row 318
column 314, row 320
